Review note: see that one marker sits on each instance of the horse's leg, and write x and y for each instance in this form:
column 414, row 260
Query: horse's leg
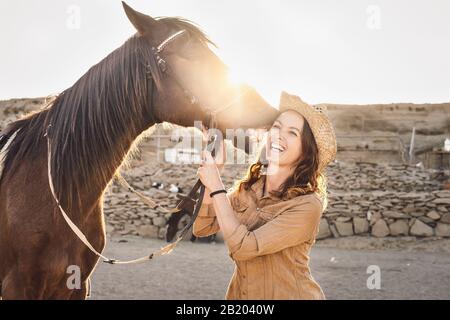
column 16, row 286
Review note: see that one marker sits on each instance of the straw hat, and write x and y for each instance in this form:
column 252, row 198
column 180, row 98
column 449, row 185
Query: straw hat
column 319, row 122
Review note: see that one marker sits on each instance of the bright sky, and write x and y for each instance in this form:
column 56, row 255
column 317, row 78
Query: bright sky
column 326, row 51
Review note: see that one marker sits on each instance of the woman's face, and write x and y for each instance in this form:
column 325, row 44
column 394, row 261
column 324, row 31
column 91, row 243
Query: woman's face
column 284, row 145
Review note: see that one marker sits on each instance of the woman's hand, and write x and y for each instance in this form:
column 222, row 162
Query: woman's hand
column 209, row 173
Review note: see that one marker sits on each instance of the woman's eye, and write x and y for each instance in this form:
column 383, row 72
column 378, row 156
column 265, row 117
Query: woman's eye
column 293, row 133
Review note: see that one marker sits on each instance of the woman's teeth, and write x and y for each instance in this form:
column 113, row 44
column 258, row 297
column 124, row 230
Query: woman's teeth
column 276, row 147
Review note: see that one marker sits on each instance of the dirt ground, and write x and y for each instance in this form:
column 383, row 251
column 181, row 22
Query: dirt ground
column 410, row 269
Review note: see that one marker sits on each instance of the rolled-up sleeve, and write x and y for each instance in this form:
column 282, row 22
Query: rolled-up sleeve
column 291, row 227
column 206, row 223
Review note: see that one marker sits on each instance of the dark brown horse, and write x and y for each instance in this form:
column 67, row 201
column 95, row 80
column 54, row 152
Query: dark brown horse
column 92, row 126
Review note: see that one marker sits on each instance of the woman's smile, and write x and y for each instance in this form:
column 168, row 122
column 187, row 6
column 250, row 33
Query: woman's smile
column 277, row 148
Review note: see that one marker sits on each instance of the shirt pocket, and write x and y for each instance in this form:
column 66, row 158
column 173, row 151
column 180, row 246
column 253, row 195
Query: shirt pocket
column 240, row 206
column 267, row 214
column 263, row 216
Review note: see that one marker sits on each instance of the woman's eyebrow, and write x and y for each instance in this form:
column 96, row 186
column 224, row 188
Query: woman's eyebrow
column 289, row 127
column 295, row 129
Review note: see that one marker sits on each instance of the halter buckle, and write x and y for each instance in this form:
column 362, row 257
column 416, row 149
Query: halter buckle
column 162, row 64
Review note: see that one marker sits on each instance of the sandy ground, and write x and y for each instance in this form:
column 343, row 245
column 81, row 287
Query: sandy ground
column 410, row 269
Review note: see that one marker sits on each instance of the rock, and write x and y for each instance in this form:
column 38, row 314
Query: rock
column 386, row 203
column 433, row 215
column 399, row 227
column 159, row 221
column 354, row 207
column 442, row 194
column 395, row 215
column 445, row 218
column 409, row 208
column 128, row 227
column 162, row 233
column 114, row 202
column 360, row 225
column 344, row 228
column 339, row 206
column 324, row 229
column 442, row 201
column 334, row 231
column 109, row 228
column 150, row 214
column 427, row 221
column 380, row 229
column 364, row 203
column 417, row 213
column 148, row 231
column 443, row 230
column 374, row 218
column 421, row 229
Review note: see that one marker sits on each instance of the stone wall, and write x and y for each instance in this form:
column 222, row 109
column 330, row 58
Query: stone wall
column 386, row 200
column 364, row 199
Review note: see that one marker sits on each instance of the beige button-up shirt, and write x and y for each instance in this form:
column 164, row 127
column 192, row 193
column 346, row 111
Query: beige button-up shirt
column 271, row 245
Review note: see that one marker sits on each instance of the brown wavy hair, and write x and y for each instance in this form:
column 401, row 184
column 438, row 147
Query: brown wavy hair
column 306, row 178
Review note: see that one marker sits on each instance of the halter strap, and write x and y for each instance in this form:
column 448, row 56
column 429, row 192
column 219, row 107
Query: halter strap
column 163, row 66
column 168, row 40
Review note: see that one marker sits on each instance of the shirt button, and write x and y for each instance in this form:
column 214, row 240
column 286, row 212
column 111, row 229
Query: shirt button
column 243, row 277
column 257, row 209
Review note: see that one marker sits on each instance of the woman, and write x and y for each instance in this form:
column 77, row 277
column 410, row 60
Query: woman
column 269, row 221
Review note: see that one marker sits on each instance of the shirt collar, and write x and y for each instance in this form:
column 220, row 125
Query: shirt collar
column 258, row 186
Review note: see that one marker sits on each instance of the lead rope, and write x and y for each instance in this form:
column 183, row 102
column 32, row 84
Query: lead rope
column 147, row 200
column 164, row 250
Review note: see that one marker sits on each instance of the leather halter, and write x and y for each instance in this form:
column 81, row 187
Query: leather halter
column 164, row 68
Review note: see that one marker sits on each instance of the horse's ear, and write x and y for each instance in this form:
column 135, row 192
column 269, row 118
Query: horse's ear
column 140, row 21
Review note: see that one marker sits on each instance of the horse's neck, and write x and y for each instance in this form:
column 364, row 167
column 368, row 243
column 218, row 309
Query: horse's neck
column 124, row 144
column 103, row 161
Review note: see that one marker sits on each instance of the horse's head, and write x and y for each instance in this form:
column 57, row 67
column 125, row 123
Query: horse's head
column 193, row 83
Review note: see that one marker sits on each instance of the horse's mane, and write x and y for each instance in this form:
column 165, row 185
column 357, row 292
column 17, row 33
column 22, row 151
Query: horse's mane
column 94, row 116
